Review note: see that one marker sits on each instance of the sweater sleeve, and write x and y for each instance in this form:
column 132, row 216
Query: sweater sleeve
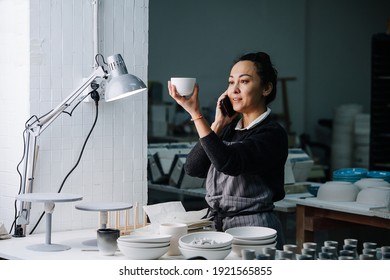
column 262, row 150
column 197, row 163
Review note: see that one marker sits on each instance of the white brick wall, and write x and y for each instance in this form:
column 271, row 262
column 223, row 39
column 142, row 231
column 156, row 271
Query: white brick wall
column 113, row 167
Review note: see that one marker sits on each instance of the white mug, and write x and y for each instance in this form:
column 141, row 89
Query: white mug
column 175, row 230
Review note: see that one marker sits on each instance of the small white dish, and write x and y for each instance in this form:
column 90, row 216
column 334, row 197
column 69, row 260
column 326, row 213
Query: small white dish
column 252, row 232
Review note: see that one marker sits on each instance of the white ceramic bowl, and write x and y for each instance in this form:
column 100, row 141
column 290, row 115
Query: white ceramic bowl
column 134, row 253
column 236, row 248
column 338, row 191
column 184, row 86
column 145, row 238
column 254, row 242
column 377, row 196
column 371, row 182
column 205, row 253
column 206, row 239
column 143, row 244
column 252, row 232
column 183, row 245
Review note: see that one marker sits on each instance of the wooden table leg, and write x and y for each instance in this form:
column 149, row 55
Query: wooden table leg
column 302, row 232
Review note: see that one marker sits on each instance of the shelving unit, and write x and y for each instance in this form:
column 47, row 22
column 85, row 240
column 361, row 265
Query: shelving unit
column 380, row 102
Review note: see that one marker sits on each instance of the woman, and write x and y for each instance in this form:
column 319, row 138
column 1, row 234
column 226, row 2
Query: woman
column 242, row 158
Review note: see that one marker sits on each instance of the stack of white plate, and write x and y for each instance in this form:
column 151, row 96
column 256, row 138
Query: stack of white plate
column 343, row 135
column 144, row 247
column 209, row 245
column 255, row 238
column 362, row 140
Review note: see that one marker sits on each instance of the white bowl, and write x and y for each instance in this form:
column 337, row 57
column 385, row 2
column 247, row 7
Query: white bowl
column 376, row 196
column 154, row 238
column 252, row 233
column 338, row 191
column 236, row 248
column 207, row 254
column 371, row 182
column 134, row 253
column 183, row 245
column 254, row 242
column 184, row 86
column 143, row 244
column 206, row 239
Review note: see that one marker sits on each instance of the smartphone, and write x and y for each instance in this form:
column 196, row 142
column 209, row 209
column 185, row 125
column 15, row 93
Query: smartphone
column 227, row 107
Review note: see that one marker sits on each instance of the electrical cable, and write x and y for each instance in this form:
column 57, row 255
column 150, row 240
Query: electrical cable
column 26, row 125
column 95, row 97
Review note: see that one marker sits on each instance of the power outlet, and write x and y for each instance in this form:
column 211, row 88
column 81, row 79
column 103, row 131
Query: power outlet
column 101, row 90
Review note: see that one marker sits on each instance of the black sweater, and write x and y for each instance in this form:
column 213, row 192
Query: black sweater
column 258, row 153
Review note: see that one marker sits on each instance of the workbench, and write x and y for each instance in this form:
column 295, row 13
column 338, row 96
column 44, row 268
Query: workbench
column 313, row 215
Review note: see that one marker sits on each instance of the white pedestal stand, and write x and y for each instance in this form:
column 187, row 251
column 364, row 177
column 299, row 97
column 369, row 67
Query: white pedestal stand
column 49, row 200
column 103, row 208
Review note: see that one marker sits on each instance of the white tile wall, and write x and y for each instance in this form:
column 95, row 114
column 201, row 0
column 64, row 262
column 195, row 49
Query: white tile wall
column 113, row 166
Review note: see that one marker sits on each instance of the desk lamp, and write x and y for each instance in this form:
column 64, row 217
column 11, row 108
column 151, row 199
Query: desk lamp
column 120, row 85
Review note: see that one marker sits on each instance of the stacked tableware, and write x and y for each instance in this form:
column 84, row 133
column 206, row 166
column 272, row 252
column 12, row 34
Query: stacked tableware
column 385, row 175
column 144, row 247
column 343, row 135
column 349, row 174
column 362, row 140
column 252, row 237
column 208, row 245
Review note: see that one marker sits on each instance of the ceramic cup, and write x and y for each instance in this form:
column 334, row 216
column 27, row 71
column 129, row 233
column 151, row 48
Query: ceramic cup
column 310, row 245
column 304, row 257
column 350, row 241
column 370, row 245
column 331, row 243
column 248, row 254
column 283, row 255
column 329, row 249
column 291, row 247
column 263, row 256
column 345, row 258
column 184, row 86
column 175, row 230
column 106, row 241
column 366, row 257
column 309, row 251
column 271, row 251
column 346, row 253
column 367, row 251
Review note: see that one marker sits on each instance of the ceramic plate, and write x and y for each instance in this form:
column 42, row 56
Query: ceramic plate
column 254, row 242
column 252, row 233
column 145, row 238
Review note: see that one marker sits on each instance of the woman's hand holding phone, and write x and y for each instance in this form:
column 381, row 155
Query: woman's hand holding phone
column 227, row 107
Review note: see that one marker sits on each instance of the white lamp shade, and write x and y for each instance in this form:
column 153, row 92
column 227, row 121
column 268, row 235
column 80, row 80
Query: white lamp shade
column 121, row 83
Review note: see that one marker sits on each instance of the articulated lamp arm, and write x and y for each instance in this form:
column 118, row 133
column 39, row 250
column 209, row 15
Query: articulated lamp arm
column 34, row 127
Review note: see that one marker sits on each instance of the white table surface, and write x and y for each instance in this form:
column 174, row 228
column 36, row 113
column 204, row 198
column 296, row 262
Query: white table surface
column 352, row 207
column 16, row 248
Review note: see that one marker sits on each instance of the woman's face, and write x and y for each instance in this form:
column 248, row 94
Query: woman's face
column 245, row 89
